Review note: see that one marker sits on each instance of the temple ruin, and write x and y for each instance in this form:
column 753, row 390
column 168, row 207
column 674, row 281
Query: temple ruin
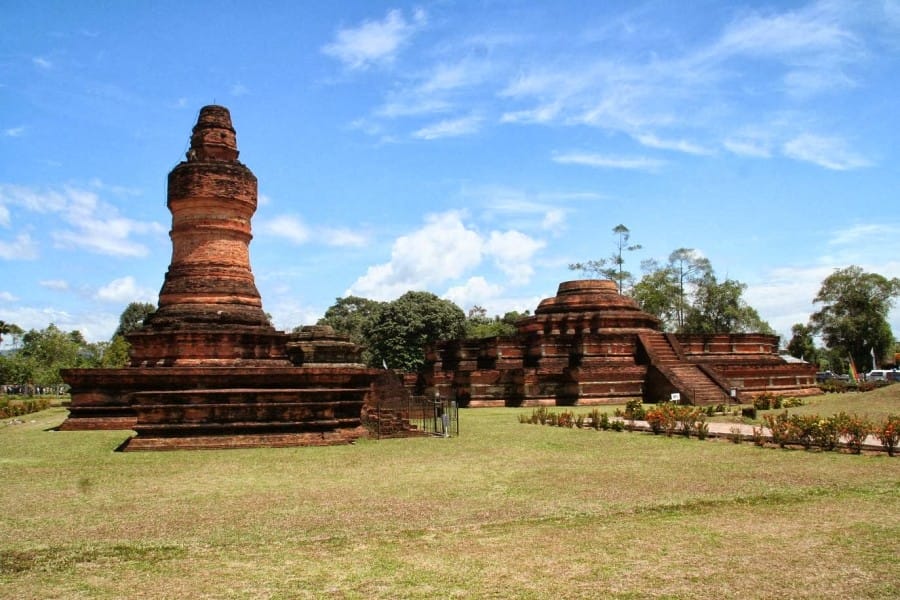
column 207, row 369
column 591, row 345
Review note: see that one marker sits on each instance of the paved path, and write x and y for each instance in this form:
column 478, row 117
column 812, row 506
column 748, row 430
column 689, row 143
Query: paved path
column 727, row 430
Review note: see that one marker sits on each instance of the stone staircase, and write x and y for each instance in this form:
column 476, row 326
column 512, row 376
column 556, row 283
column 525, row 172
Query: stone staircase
column 696, row 384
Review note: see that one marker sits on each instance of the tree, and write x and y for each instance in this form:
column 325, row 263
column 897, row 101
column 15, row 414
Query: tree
column 665, row 291
column 612, row 268
column 720, row 308
column 349, row 315
column 687, row 267
column 398, row 331
column 853, row 317
column 133, row 317
column 10, row 329
column 801, row 344
column 479, row 325
column 47, row 351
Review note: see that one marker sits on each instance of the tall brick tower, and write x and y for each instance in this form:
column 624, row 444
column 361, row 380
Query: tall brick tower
column 210, row 311
column 207, row 369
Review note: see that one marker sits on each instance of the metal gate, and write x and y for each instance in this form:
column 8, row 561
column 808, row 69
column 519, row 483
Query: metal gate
column 394, row 412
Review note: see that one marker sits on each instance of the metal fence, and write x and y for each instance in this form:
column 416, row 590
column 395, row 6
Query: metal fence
column 396, row 413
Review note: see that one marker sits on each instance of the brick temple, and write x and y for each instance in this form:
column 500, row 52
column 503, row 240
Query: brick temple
column 207, row 369
column 591, row 345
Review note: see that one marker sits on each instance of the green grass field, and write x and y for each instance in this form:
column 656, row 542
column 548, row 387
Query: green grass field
column 504, row 511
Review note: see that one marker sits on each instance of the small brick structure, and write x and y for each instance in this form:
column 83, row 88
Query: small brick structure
column 207, row 369
column 591, row 345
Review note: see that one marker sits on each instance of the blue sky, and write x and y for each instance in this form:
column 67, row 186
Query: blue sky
column 472, row 149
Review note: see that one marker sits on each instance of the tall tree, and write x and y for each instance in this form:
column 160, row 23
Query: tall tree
column 133, row 317
column 801, row 344
column 687, row 267
column 398, row 331
column 854, row 313
column 612, row 267
column 479, row 325
column 721, row 308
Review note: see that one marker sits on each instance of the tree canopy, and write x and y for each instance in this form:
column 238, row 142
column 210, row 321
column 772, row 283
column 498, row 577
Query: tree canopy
column 133, row 317
column 398, row 331
column 687, row 297
column 853, row 317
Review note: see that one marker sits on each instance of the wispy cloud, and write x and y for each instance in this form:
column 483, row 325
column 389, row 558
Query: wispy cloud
column 295, row 230
column 828, row 152
column 449, row 128
column 374, row 42
column 59, row 285
column 22, row 247
column 14, row 131
column 600, row 161
column 652, row 141
column 41, row 62
column 86, row 221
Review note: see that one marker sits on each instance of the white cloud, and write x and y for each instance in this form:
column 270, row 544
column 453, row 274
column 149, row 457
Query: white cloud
column 374, row 42
column 608, row 162
column 867, row 233
column 7, row 297
column 59, row 285
column 449, row 128
column 441, row 250
column 748, row 147
column 343, row 237
column 828, row 152
column 125, row 290
column 512, row 252
column 41, row 62
column 288, row 227
column 14, row 131
column 92, row 224
column 296, row 231
column 652, row 141
column 21, row 248
column 554, row 220
column 238, row 89
column 475, row 291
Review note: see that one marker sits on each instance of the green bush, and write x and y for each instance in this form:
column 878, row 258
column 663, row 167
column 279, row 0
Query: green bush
column 888, row 433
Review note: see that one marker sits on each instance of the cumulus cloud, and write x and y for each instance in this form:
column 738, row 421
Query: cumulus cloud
column 443, row 249
column 512, row 252
column 446, row 249
column 475, row 291
column 374, row 42
column 125, row 290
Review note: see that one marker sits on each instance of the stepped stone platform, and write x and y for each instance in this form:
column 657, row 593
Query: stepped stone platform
column 591, row 345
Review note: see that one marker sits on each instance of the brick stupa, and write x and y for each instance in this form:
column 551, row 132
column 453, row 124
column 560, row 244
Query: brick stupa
column 207, row 369
column 590, row 344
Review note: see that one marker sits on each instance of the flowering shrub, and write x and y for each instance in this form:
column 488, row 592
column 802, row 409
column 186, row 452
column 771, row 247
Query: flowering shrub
column 634, row 410
column 855, row 429
column 888, row 433
column 827, row 433
column 803, row 429
column 780, row 427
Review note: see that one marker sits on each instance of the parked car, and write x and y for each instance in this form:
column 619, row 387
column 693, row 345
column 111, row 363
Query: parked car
column 881, row 375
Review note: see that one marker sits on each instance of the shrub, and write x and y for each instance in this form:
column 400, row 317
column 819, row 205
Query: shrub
column 888, row 433
column 702, row 427
column 735, row 435
column 634, row 410
column 827, row 433
column 604, row 421
column 791, row 402
column 579, row 421
column 804, row 429
column 855, row 429
column 617, row 425
column 780, row 428
column 654, row 419
column 759, row 438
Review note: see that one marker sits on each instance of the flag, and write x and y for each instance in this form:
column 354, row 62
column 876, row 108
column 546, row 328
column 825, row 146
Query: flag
column 854, row 375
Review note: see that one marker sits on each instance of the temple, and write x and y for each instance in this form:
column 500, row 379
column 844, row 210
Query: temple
column 207, row 369
column 591, row 345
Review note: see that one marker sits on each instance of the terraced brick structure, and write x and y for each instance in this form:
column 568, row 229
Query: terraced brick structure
column 591, row 345
column 207, row 369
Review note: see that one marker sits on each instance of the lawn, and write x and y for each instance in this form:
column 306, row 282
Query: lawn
column 504, row 511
